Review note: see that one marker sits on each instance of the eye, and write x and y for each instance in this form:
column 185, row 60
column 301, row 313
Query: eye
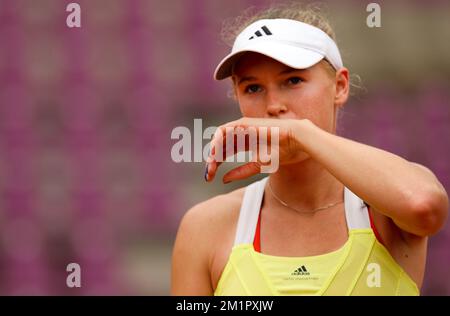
column 294, row 80
column 253, row 88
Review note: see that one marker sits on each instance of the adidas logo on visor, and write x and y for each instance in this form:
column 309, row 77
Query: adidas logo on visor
column 258, row 33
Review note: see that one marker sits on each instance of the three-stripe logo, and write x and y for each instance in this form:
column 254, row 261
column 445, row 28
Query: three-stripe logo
column 301, row 271
column 258, row 33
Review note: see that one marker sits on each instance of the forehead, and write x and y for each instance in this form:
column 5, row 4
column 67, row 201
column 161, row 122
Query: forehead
column 253, row 62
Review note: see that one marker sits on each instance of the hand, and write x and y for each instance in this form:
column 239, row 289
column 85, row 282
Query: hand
column 271, row 141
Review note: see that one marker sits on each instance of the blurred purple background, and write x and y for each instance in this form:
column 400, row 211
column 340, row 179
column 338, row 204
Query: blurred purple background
column 86, row 116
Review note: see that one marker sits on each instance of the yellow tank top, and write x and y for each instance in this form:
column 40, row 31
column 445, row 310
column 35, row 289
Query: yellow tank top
column 362, row 266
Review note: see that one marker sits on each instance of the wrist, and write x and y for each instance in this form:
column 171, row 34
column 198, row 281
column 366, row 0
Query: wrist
column 303, row 131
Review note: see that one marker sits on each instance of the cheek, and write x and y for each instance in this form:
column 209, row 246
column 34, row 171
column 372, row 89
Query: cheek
column 250, row 108
column 316, row 104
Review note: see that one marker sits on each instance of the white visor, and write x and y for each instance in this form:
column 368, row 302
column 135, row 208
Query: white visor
column 293, row 43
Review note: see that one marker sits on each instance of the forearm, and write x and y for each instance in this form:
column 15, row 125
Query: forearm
column 399, row 189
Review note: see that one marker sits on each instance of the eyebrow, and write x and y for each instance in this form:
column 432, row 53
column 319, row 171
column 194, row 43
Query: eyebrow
column 284, row 72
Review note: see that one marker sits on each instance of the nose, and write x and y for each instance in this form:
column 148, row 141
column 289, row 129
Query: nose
column 275, row 107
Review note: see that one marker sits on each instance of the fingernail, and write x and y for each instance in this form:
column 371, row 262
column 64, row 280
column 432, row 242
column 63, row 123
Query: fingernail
column 206, row 173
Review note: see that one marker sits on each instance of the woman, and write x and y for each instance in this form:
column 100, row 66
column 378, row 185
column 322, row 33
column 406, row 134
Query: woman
column 338, row 217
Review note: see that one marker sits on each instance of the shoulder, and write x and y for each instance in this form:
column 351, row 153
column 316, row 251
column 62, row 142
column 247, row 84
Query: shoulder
column 205, row 227
column 207, row 216
column 207, row 223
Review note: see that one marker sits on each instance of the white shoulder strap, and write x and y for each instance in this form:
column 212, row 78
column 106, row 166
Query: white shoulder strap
column 356, row 211
column 248, row 215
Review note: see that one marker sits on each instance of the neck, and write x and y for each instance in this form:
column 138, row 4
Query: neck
column 306, row 185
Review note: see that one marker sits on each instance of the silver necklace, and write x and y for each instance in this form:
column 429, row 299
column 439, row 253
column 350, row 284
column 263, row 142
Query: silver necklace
column 301, row 211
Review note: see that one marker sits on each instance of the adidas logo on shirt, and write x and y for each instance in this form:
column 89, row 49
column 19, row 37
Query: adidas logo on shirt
column 301, row 271
column 258, row 33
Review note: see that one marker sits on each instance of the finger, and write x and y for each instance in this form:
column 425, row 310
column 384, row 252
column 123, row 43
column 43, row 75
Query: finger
column 242, row 172
column 225, row 142
column 211, row 169
column 237, row 142
column 221, row 134
column 233, row 138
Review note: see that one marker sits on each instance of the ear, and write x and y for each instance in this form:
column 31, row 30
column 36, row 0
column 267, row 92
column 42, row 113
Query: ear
column 342, row 87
